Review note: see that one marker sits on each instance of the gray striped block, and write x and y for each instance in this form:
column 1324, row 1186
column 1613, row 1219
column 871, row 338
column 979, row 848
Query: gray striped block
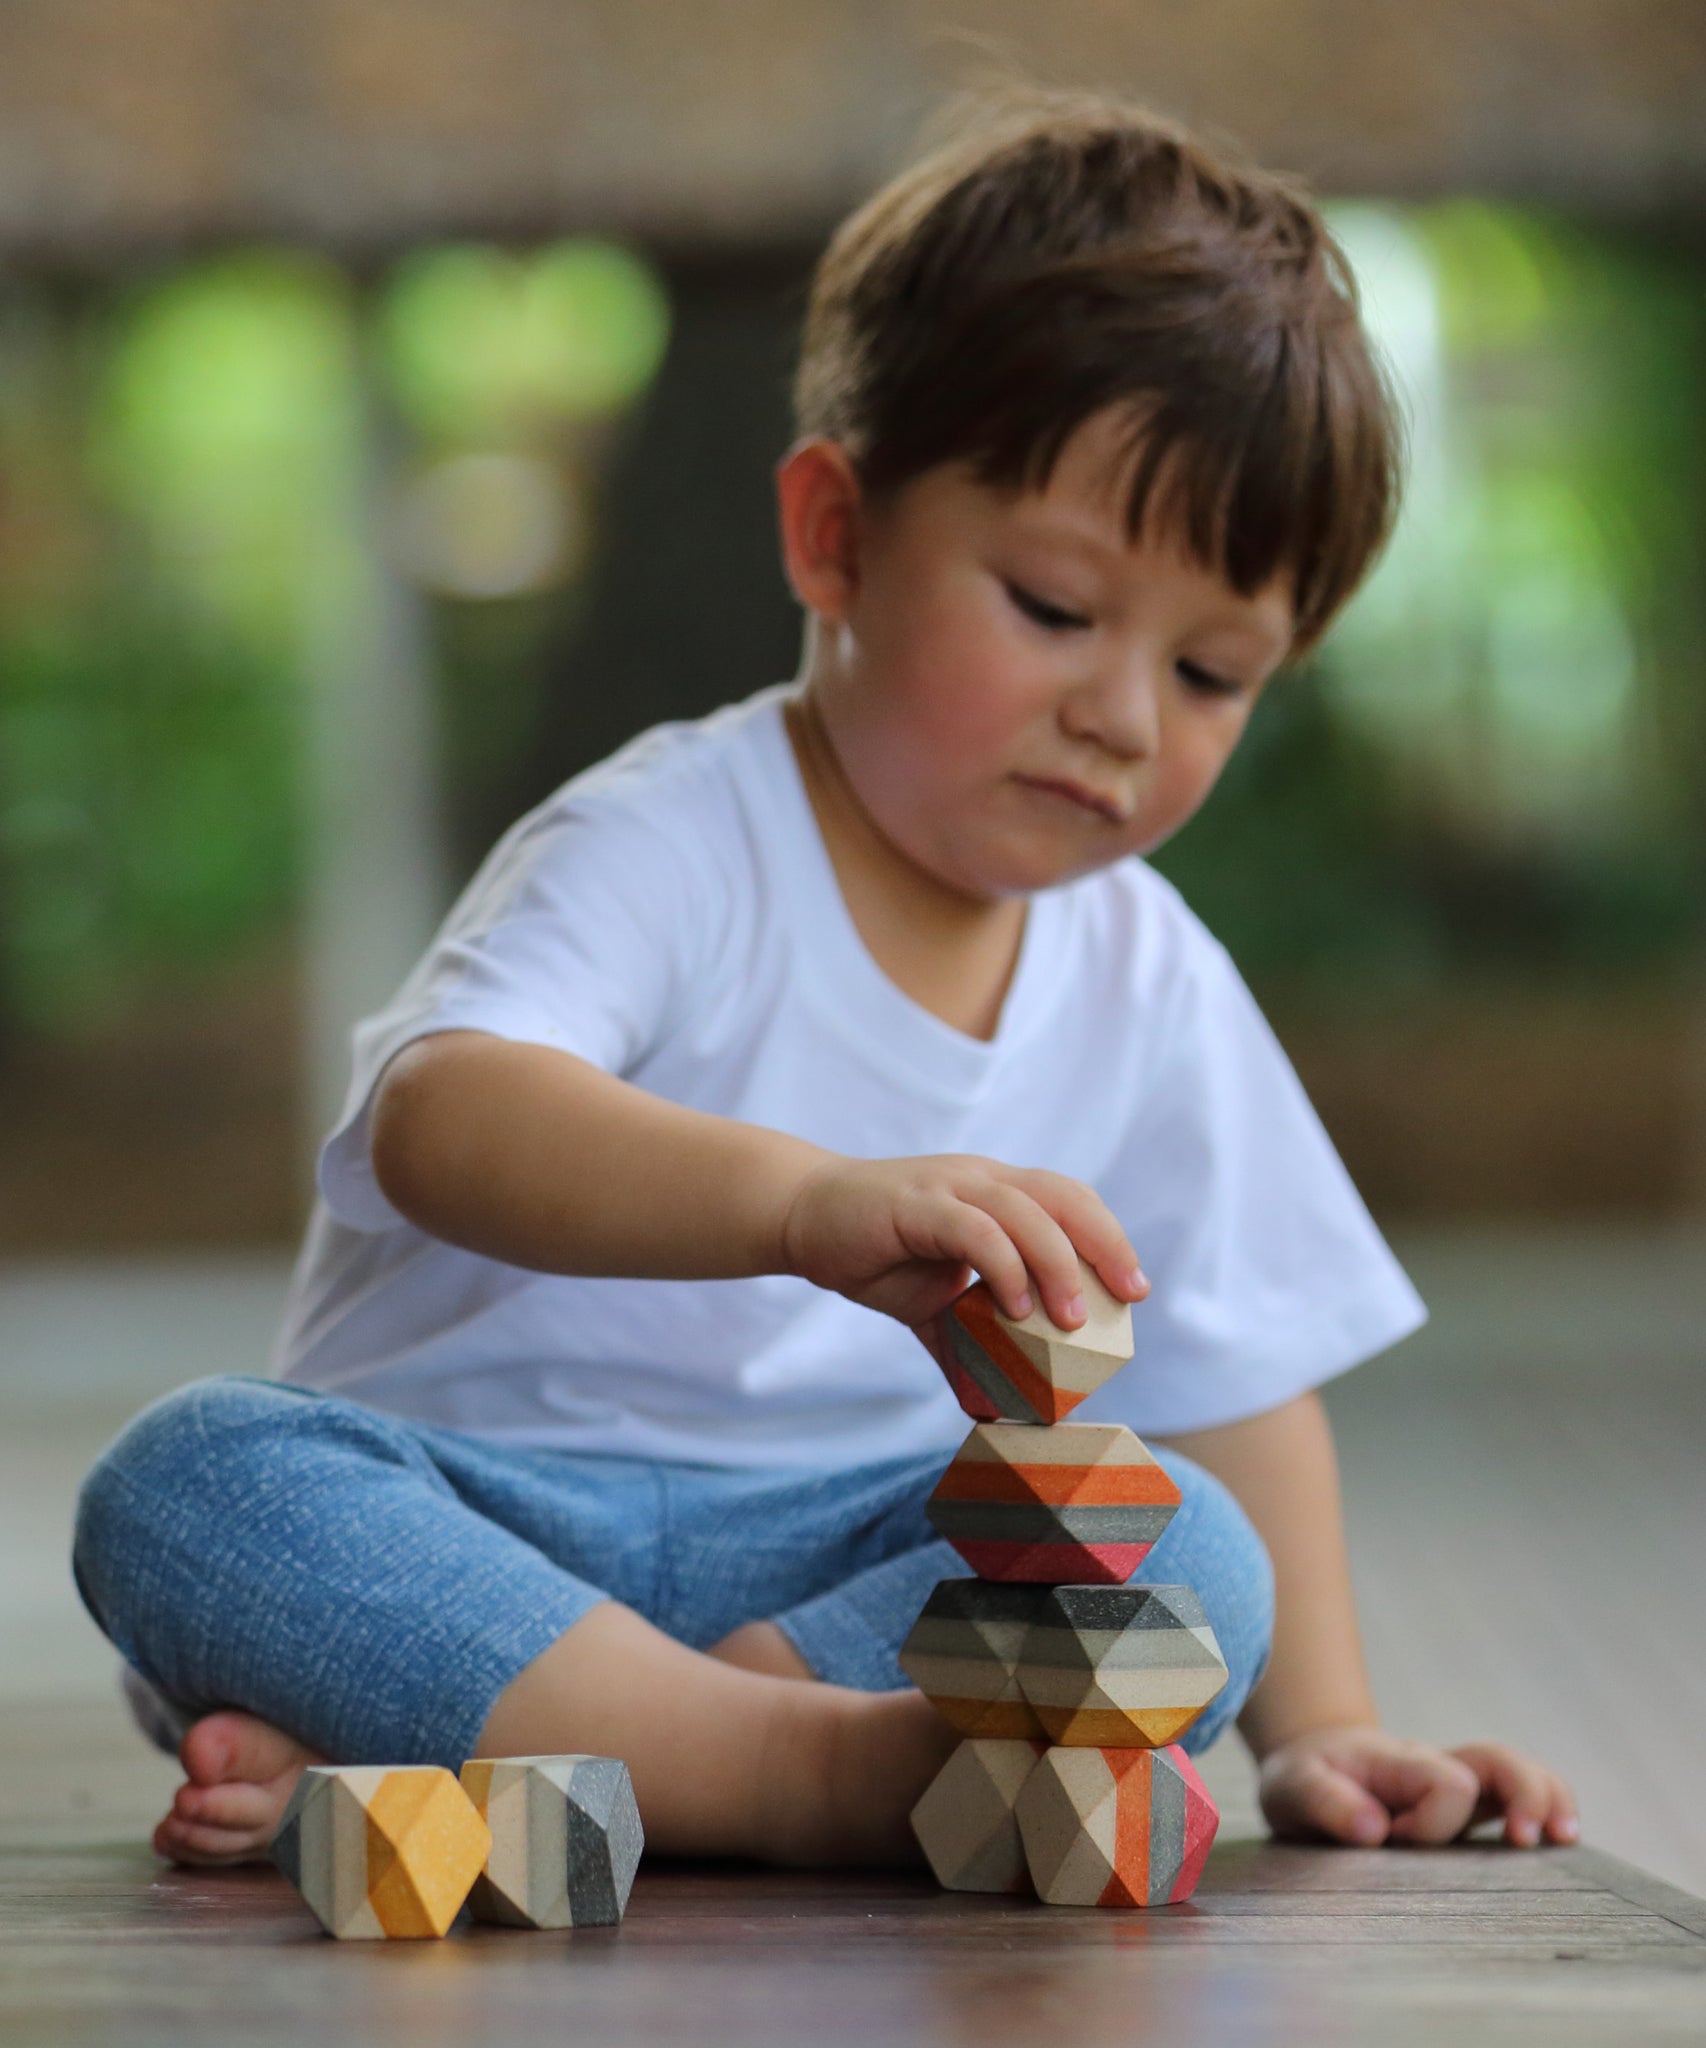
column 566, row 1839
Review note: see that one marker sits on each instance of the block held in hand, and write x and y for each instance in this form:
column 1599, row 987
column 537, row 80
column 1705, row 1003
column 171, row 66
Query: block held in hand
column 1026, row 1369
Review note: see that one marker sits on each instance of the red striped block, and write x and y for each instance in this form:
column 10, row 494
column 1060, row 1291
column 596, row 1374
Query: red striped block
column 1115, row 1827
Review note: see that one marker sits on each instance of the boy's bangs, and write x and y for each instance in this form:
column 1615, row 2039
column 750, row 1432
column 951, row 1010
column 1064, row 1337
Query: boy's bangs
column 985, row 310
column 1261, row 474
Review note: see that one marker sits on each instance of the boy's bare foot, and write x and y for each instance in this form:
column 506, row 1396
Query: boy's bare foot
column 861, row 1767
column 239, row 1774
column 726, row 1760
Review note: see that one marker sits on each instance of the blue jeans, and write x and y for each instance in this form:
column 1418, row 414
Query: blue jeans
column 371, row 1586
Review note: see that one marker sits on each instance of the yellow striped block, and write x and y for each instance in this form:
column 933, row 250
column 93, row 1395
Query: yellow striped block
column 381, row 1853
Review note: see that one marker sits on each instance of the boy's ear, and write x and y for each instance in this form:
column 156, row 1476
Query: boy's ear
column 818, row 508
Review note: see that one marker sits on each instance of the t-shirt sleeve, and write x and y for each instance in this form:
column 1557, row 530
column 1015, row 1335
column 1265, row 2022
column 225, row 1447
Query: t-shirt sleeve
column 1268, row 1274
column 579, row 932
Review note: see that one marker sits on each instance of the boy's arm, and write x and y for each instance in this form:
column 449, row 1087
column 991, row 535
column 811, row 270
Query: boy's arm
column 1328, row 1768
column 535, row 1157
column 1282, row 1469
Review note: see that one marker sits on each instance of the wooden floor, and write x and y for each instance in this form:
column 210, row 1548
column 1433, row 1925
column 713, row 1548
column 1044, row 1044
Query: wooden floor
column 100, row 1944
column 1525, row 1499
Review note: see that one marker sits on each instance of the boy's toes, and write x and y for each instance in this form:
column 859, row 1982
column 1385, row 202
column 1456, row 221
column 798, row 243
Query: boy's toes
column 241, row 1773
column 232, row 1747
column 193, row 1842
column 234, row 1806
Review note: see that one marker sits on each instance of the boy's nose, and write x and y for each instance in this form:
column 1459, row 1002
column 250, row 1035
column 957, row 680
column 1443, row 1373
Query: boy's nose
column 1120, row 711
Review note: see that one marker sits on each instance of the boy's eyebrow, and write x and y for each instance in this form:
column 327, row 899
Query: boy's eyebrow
column 1073, row 533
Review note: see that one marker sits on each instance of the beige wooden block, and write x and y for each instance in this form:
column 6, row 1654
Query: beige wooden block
column 965, row 1822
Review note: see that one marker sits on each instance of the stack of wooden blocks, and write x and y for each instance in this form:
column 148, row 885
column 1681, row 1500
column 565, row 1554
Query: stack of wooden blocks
column 1071, row 1685
column 388, row 1852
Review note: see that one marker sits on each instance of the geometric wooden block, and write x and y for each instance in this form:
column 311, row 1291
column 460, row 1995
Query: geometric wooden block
column 1081, row 1503
column 1115, row 1827
column 1028, row 1369
column 381, row 1853
column 965, row 1823
column 963, row 1655
column 566, row 1839
column 1120, row 1666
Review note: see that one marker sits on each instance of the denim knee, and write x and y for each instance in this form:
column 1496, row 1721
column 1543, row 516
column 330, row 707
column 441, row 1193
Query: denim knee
column 1212, row 1546
column 249, row 1544
column 175, row 1481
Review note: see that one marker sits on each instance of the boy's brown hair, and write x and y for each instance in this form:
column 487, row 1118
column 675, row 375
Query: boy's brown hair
column 1066, row 253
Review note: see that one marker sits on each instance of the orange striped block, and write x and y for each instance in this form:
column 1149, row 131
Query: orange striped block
column 1081, row 1503
column 1026, row 1369
column 1115, row 1827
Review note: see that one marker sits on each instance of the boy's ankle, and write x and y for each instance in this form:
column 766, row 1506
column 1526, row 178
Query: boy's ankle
column 792, row 1813
column 840, row 1774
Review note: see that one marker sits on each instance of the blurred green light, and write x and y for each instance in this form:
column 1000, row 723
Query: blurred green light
column 481, row 342
column 1497, row 273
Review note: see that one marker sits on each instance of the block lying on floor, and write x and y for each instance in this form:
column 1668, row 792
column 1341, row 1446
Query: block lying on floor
column 963, row 1655
column 1027, row 1369
column 1111, row 1666
column 381, row 1853
column 1082, row 1503
column 965, row 1822
column 1115, row 1827
column 566, row 1839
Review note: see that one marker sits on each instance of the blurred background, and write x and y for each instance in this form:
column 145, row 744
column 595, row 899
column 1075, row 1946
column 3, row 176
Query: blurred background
column 388, row 398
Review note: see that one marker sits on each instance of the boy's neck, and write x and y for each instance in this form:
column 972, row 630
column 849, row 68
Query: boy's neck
column 954, row 954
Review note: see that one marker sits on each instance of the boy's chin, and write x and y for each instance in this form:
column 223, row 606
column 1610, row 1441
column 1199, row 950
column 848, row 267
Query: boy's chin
column 1025, row 871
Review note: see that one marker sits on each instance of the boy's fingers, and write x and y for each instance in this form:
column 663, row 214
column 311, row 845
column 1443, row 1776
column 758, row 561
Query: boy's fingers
column 1093, row 1229
column 1432, row 1796
column 980, row 1241
column 1528, row 1794
column 1045, row 1249
column 1563, row 1823
column 1317, row 1797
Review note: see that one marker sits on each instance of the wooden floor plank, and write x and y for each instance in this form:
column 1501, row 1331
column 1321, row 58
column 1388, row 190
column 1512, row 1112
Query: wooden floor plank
column 1283, row 1945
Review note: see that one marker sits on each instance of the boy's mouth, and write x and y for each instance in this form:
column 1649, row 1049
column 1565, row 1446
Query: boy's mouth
column 1076, row 793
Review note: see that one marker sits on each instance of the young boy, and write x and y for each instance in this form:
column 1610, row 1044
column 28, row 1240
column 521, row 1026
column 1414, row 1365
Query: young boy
column 603, row 1423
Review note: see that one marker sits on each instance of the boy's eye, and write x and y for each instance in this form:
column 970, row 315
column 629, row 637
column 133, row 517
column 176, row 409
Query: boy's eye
column 1207, row 682
column 1038, row 609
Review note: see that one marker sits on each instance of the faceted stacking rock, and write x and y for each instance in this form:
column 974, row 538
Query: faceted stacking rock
column 381, row 1853
column 566, row 1839
column 965, row 1822
column 1120, row 1665
column 1115, row 1827
column 963, row 1655
column 1029, row 1370
column 1079, row 1503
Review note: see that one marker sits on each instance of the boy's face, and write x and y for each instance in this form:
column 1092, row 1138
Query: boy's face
column 1017, row 692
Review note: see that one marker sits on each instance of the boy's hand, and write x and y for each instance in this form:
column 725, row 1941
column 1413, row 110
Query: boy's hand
column 1364, row 1786
column 906, row 1236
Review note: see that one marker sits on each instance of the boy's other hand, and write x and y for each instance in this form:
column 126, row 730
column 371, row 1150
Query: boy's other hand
column 905, row 1236
column 1363, row 1786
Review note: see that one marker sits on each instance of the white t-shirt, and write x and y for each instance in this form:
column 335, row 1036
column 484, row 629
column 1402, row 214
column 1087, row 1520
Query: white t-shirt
column 672, row 917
